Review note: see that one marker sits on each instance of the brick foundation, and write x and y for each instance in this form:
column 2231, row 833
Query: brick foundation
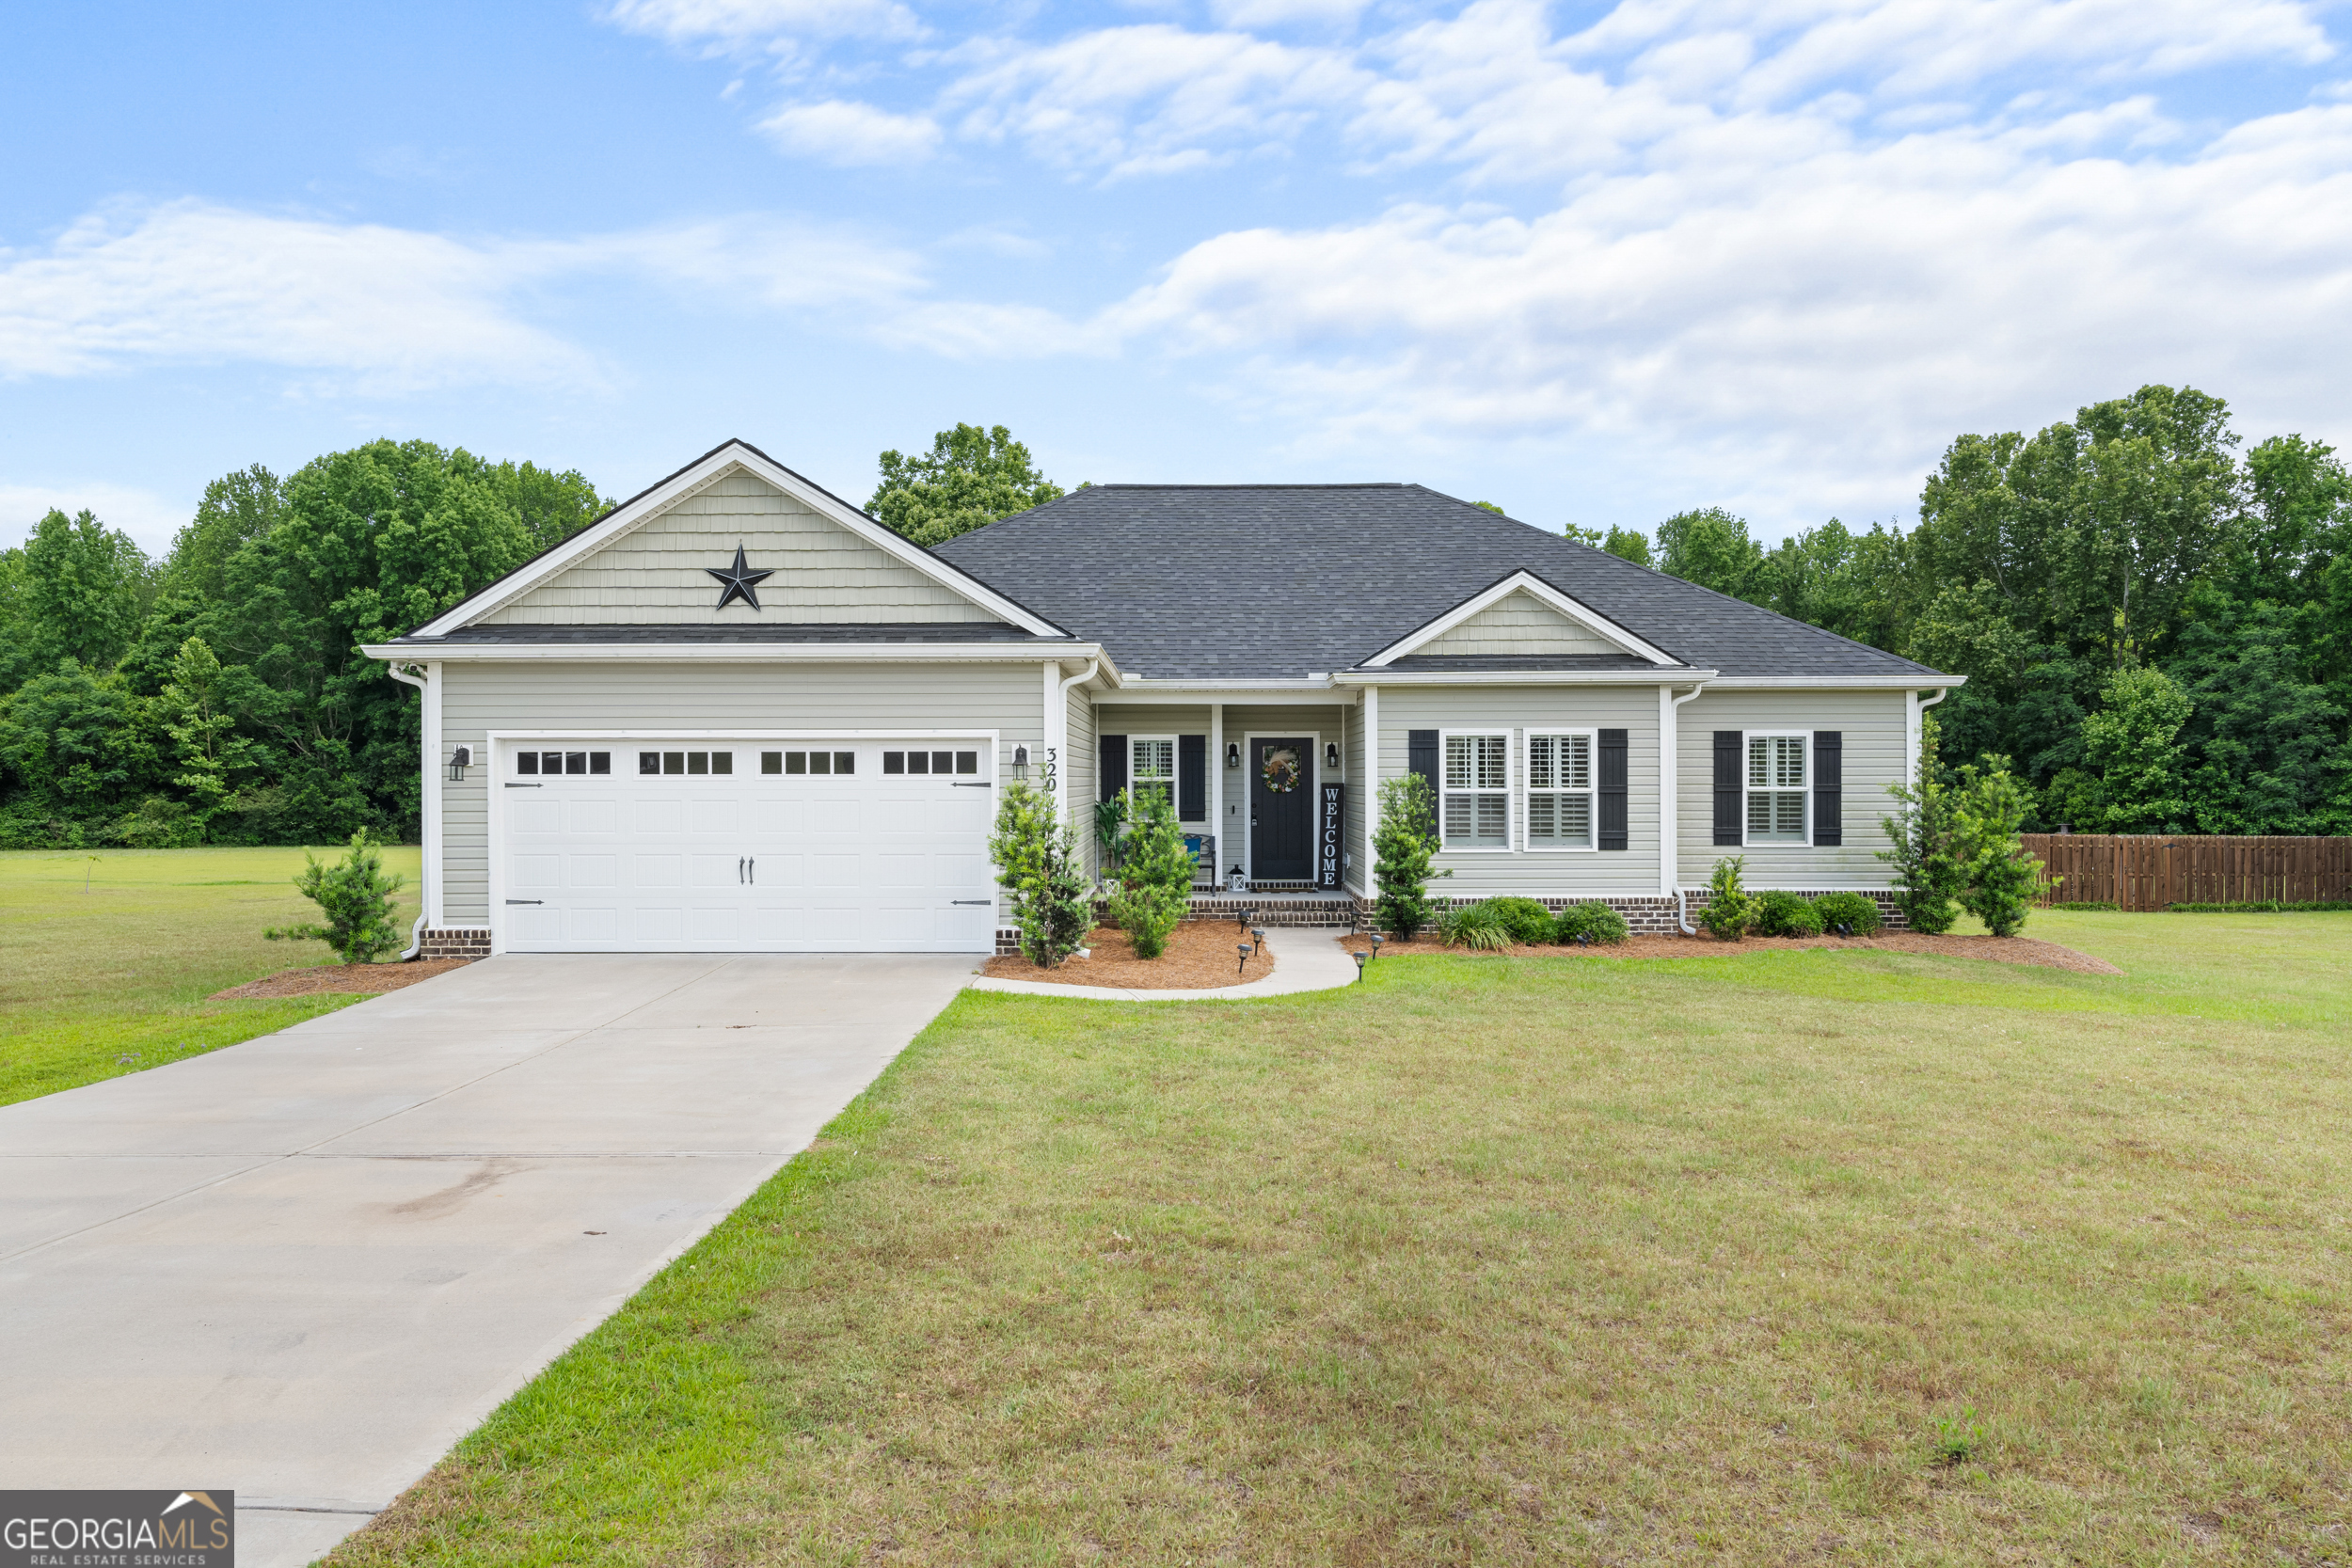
column 455, row 941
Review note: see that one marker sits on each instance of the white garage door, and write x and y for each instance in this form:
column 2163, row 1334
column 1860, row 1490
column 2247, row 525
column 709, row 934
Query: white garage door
column 746, row 846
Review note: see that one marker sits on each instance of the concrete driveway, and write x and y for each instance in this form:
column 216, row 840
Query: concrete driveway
column 304, row 1266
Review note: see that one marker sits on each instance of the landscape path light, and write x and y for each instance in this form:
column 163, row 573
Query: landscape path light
column 1243, row 948
column 1359, row 958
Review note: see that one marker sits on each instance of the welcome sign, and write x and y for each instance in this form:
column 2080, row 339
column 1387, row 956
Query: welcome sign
column 117, row 1529
column 1330, row 836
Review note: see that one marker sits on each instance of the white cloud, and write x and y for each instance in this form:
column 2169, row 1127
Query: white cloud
column 146, row 517
column 391, row 310
column 1275, row 13
column 734, row 23
column 849, row 133
column 1150, row 99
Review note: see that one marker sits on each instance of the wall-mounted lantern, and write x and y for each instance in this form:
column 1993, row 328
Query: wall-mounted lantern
column 1232, row 753
column 459, row 760
column 1020, row 762
column 1330, row 756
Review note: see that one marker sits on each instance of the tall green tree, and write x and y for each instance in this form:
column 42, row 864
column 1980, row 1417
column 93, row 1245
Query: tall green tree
column 81, row 590
column 1710, row 548
column 970, row 478
column 1627, row 544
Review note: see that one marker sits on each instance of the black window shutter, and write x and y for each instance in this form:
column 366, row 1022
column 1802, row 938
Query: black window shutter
column 1112, row 775
column 1192, row 778
column 1613, row 790
column 1421, row 756
column 1730, row 816
column 1829, row 787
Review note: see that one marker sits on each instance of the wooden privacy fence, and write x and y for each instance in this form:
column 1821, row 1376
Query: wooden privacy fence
column 2153, row 871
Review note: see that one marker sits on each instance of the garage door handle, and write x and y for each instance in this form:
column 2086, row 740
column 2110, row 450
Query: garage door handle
column 754, row 870
column 738, row 869
column 526, row 787
column 980, row 901
column 526, row 900
column 960, row 785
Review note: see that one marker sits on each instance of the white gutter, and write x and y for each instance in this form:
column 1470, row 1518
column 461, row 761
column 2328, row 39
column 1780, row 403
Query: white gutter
column 1669, row 801
column 1830, row 683
column 429, row 830
column 734, row 653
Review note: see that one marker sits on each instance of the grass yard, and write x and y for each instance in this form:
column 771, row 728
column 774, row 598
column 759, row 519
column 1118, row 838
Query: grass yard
column 1793, row 1256
column 97, row 983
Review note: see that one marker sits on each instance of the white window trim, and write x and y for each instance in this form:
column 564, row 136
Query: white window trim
column 1528, row 791
column 1747, row 737
column 1510, row 771
column 1175, row 767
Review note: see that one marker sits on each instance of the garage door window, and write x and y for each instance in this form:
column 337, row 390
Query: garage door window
column 930, row 762
column 808, row 762
column 686, row 762
column 531, row 763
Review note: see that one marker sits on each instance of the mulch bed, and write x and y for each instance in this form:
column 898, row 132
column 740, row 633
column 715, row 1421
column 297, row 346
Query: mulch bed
column 1200, row 957
column 2012, row 950
column 363, row 979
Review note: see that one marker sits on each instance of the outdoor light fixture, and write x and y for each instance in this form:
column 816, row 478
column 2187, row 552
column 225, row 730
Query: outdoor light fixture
column 1359, row 966
column 1585, row 939
column 459, row 760
column 1245, row 917
column 1020, row 762
column 1258, row 937
column 1243, row 948
column 1376, row 940
column 1332, row 756
column 1232, row 753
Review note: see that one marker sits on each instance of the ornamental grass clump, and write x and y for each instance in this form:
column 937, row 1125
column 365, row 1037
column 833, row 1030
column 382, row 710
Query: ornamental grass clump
column 356, row 895
column 1595, row 923
column 1729, row 911
column 1858, row 915
column 1155, row 875
column 1786, row 915
column 1480, row 926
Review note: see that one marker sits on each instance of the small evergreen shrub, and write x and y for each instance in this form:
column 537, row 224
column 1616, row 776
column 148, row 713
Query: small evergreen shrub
column 1528, row 921
column 2093, row 904
column 1038, row 862
column 2275, row 905
column 1401, row 848
column 1848, row 909
column 1729, row 911
column 356, row 895
column 1155, row 881
column 1479, row 926
column 1780, row 914
column 1596, row 922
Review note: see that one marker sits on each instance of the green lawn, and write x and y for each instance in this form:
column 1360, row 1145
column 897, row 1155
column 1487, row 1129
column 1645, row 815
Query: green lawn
column 1772, row 1258
column 111, row 979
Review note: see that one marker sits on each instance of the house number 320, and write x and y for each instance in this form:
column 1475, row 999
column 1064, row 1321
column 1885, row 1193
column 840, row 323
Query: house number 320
column 1053, row 769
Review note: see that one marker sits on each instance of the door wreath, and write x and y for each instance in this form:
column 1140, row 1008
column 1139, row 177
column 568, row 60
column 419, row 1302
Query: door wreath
column 1280, row 771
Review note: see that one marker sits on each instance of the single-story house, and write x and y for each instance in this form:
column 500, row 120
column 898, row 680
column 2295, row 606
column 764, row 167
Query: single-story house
column 736, row 713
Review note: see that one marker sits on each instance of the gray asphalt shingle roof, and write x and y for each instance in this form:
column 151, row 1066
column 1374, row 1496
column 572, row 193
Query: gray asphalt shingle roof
column 1226, row 582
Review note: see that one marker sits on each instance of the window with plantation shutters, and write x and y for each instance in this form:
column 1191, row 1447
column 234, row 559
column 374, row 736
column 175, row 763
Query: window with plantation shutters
column 1474, row 812
column 1776, row 788
column 1559, row 790
column 1152, row 770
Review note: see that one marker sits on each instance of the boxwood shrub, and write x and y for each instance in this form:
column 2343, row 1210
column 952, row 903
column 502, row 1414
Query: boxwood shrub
column 1526, row 920
column 1780, row 914
column 1848, row 909
column 1596, row 921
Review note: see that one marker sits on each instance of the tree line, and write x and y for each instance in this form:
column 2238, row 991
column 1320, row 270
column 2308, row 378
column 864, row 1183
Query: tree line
column 2156, row 627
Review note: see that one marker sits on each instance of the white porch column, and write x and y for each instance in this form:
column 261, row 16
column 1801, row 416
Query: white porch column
column 1056, row 738
column 1371, row 783
column 429, row 861
column 1216, row 793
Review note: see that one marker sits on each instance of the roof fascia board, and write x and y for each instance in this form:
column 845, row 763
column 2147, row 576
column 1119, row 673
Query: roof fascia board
column 1522, row 581
column 1236, row 694
column 622, row 519
column 1678, row 675
column 734, row 653
column 1838, row 683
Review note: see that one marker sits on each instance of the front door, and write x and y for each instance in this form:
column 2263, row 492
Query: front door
column 1282, row 810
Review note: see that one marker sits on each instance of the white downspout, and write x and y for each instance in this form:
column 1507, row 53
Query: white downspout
column 429, row 827
column 1919, row 731
column 1058, row 727
column 1670, row 797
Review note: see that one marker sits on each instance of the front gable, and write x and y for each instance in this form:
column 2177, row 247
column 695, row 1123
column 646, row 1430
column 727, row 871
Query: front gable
column 1521, row 616
column 648, row 562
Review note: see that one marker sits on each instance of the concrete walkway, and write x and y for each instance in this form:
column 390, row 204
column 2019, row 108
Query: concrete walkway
column 304, row 1266
column 1308, row 958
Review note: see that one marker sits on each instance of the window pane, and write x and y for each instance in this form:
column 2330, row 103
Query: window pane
column 698, row 762
column 649, row 762
column 1539, row 755
column 1458, row 752
column 918, row 762
column 967, row 762
column 674, row 762
column 1759, row 816
column 894, row 762
column 1542, row 818
column 1790, row 820
column 1760, row 762
column 1494, row 819
column 1788, row 762
column 820, row 762
column 943, row 761
column 723, row 762
column 550, row 762
column 1576, row 762
column 772, row 762
column 796, row 762
column 845, row 762
column 599, row 762
column 575, row 762
column 1457, row 819
column 527, row 762
column 1494, row 759
column 1576, row 818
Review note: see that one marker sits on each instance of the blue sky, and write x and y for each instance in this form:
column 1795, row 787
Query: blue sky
column 1596, row 263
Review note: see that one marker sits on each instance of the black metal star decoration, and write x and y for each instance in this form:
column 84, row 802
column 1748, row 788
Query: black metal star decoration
column 741, row 581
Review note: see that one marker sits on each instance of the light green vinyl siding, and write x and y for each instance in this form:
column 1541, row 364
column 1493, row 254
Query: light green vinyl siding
column 1078, row 774
column 1871, row 723
column 1632, row 872
column 654, row 574
column 1518, row 623
column 716, row 697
